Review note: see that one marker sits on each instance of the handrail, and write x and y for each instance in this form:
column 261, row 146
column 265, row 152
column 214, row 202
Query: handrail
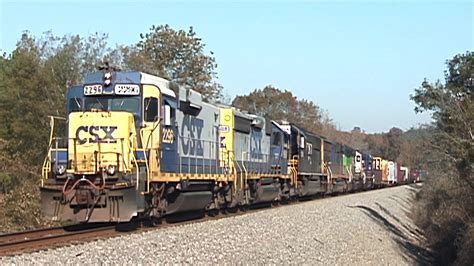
column 349, row 171
column 121, row 158
column 293, row 164
column 292, row 176
column 245, row 170
column 242, row 186
column 134, row 159
column 145, row 147
column 211, row 159
column 231, row 157
column 47, row 160
column 146, row 160
column 328, row 167
column 46, row 166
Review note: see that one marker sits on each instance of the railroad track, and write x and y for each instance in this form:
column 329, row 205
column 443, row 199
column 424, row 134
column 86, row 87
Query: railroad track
column 19, row 242
column 40, row 239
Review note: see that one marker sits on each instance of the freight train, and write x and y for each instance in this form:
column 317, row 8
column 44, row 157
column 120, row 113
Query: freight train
column 137, row 145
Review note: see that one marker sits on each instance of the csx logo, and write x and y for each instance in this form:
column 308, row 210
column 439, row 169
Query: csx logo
column 98, row 134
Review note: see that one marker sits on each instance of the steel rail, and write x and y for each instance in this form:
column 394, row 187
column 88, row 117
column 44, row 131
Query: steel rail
column 18, row 242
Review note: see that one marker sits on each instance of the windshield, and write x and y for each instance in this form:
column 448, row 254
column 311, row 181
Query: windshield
column 128, row 104
column 112, row 104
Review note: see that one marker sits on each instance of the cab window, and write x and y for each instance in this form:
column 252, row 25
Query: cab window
column 276, row 139
column 151, row 109
column 96, row 103
column 125, row 104
column 75, row 105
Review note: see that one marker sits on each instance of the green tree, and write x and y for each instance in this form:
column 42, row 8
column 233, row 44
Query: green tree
column 33, row 85
column 175, row 55
column 24, row 110
column 279, row 104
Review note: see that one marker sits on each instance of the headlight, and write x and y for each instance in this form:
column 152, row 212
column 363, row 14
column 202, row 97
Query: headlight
column 111, row 169
column 107, row 78
column 61, row 169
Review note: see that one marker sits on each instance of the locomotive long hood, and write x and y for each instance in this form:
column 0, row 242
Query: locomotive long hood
column 99, row 139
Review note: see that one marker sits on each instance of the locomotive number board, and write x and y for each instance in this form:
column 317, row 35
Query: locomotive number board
column 127, row 89
column 92, row 89
column 119, row 89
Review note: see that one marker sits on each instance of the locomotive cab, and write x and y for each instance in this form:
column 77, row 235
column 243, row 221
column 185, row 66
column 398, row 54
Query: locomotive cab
column 99, row 171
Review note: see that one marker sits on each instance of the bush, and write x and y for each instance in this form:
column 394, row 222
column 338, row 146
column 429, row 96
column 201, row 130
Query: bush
column 6, row 183
column 20, row 208
column 445, row 213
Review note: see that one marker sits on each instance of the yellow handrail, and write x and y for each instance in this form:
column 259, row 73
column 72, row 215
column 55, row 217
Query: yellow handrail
column 235, row 173
column 328, row 167
column 132, row 151
column 293, row 165
column 46, row 168
column 47, row 160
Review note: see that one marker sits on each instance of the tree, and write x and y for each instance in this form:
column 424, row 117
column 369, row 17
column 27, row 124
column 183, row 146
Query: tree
column 277, row 104
column 269, row 102
column 33, row 85
column 175, row 55
column 452, row 107
column 24, row 110
column 394, row 143
column 446, row 202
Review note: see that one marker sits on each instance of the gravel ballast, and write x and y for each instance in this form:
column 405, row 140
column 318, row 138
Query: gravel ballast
column 363, row 228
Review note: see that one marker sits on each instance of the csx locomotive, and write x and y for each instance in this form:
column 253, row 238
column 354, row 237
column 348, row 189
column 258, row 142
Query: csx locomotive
column 138, row 145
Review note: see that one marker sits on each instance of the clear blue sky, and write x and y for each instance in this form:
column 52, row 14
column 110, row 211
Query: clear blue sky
column 358, row 60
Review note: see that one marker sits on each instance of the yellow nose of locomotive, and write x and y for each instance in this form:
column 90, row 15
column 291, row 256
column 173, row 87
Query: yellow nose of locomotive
column 100, row 141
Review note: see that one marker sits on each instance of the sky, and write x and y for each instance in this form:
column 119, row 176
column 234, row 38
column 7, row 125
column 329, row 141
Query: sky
column 358, row 60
